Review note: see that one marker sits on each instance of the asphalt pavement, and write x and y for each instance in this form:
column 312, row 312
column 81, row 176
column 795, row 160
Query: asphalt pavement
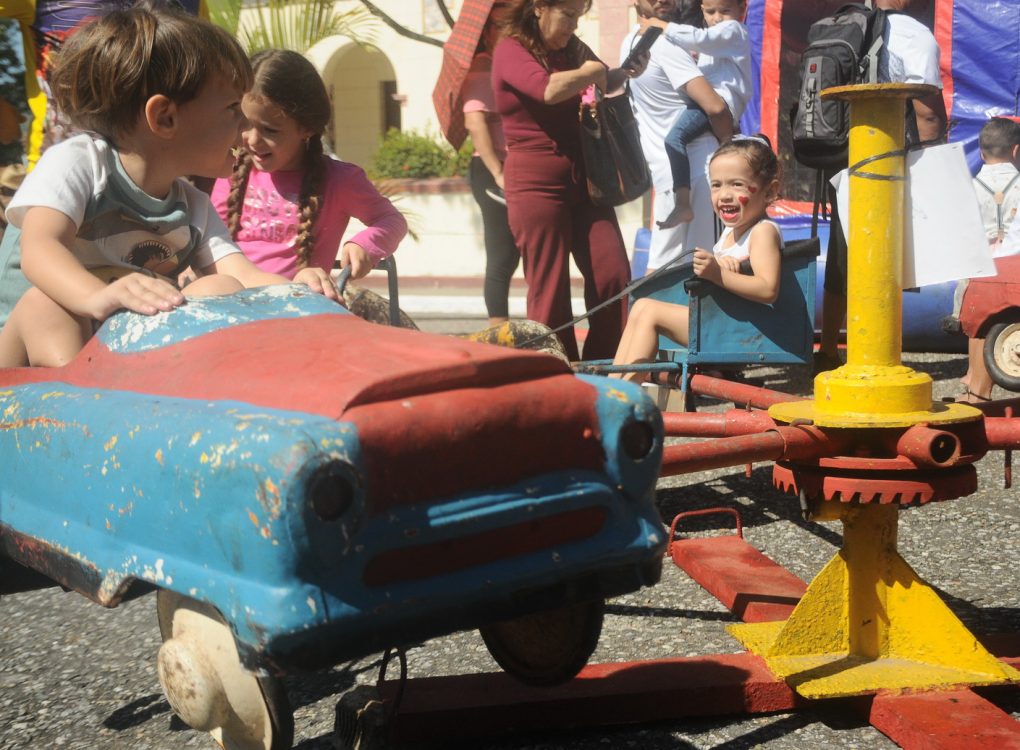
column 75, row 675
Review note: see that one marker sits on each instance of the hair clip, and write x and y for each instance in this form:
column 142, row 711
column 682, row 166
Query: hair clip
column 760, row 139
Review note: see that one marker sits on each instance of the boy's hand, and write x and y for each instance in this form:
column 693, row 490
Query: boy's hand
column 357, row 258
column 135, row 292
column 319, row 281
column 706, row 265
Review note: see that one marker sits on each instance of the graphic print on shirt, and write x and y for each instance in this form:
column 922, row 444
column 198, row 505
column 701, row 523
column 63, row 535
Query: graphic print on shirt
column 269, row 216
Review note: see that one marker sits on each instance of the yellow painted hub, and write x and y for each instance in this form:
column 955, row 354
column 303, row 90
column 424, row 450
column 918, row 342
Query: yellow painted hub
column 884, row 408
column 866, row 388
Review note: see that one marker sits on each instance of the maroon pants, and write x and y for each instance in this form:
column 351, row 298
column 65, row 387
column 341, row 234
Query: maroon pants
column 552, row 218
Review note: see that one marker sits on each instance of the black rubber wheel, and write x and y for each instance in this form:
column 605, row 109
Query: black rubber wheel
column 1002, row 354
column 546, row 648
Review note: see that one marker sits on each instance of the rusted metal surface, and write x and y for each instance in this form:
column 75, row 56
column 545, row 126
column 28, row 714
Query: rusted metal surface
column 745, row 581
column 482, row 705
column 904, row 487
column 949, row 720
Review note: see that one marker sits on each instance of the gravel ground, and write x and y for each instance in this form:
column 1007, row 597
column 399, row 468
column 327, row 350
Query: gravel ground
column 74, row 675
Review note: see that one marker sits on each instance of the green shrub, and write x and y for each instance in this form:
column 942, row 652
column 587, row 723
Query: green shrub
column 415, row 155
column 462, row 159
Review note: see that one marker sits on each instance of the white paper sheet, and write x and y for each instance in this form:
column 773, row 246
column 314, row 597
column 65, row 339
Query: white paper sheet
column 945, row 239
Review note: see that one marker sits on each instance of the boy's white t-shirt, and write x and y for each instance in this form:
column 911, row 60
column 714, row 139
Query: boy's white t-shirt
column 724, row 58
column 119, row 224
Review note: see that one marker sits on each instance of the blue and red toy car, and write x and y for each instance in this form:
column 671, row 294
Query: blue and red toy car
column 303, row 487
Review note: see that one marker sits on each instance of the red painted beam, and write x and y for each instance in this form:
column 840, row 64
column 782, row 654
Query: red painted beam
column 709, row 424
column 749, row 584
column 952, row 720
column 482, row 705
column 740, row 394
column 800, row 442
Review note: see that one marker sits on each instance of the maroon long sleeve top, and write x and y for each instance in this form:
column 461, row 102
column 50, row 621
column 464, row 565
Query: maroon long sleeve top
column 519, row 82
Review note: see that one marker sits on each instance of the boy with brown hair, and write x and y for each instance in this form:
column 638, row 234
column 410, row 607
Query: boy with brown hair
column 105, row 221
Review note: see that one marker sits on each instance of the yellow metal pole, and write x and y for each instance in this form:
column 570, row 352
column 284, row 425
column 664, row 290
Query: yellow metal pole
column 874, row 388
column 875, row 262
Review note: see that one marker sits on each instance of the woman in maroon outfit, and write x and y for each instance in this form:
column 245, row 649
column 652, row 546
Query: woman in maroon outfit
column 539, row 70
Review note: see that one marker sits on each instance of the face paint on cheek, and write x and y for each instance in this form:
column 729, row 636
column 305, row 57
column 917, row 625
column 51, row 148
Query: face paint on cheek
column 752, row 189
column 744, row 200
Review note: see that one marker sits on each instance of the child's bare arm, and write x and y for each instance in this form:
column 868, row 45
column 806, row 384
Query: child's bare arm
column 250, row 275
column 46, row 238
column 763, row 284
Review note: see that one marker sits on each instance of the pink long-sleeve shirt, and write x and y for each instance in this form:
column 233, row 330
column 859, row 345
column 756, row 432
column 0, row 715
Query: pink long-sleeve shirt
column 270, row 217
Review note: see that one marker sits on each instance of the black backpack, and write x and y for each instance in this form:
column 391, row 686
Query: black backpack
column 842, row 50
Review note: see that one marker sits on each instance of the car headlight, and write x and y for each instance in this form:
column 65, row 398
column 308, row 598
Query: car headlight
column 637, row 439
column 330, row 490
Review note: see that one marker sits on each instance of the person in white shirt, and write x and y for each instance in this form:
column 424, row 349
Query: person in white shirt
column 997, row 187
column 723, row 52
column 671, row 83
column 997, row 183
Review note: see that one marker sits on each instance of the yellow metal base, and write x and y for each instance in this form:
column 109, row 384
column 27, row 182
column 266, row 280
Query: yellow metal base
column 867, row 623
column 871, row 396
column 938, row 413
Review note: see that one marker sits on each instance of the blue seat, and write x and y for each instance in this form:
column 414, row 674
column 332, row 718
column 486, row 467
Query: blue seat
column 726, row 329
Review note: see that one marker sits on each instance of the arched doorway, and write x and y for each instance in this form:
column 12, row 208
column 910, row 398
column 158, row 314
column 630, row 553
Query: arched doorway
column 362, row 83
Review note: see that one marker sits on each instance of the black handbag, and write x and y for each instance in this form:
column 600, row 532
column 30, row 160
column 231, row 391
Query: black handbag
column 611, row 147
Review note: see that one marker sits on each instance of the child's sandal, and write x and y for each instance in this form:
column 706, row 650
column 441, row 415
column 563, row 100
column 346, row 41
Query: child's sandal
column 972, row 398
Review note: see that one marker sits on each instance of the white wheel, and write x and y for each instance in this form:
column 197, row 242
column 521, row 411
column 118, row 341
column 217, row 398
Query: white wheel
column 1002, row 355
column 205, row 684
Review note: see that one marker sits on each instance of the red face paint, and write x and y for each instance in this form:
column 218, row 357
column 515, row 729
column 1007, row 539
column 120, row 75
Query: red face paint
column 743, row 200
column 752, row 189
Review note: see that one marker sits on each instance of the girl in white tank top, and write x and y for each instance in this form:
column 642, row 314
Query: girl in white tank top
column 744, row 178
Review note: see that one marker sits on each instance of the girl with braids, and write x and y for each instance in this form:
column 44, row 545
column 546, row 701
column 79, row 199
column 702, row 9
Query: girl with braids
column 744, row 178
column 288, row 204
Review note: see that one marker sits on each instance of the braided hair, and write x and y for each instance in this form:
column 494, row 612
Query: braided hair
column 290, row 82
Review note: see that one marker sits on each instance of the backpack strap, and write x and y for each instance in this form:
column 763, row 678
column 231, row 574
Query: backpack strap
column 876, row 32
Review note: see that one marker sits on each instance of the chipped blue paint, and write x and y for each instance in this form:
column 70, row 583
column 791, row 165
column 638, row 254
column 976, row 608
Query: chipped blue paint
column 620, row 403
column 126, row 333
column 207, row 499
